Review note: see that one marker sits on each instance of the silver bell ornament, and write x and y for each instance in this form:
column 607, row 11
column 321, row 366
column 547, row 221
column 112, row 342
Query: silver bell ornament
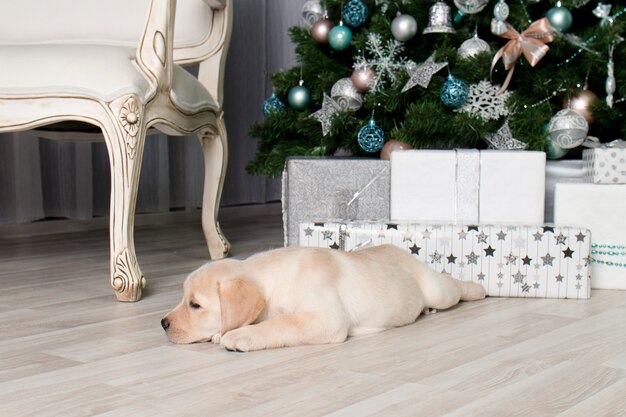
column 472, row 47
column 568, row 129
column 312, row 11
column 345, row 94
column 439, row 20
column 403, row 27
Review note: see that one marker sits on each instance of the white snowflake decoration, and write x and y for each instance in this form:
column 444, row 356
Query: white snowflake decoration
column 386, row 61
column 484, row 102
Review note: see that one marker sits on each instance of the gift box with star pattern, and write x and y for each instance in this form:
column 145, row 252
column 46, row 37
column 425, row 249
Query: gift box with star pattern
column 333, row 188
column 509, row 261
column 599, row 207
column 468, row 186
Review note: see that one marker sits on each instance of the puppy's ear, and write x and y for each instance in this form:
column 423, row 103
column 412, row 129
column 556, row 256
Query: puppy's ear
column 241, row 302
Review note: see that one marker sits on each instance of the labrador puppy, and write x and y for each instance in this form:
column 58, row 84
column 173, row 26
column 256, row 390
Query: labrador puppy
column 296, row 295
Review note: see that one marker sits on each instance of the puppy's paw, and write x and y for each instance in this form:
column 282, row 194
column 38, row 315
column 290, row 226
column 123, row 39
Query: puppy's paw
column 238, row 340
column 216, row 338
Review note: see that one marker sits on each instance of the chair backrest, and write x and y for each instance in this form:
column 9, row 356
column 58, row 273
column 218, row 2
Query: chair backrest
column 198, row 28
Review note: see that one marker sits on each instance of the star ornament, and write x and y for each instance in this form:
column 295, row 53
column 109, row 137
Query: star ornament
column 503, row 139
column 326, row 113
column 422, row 73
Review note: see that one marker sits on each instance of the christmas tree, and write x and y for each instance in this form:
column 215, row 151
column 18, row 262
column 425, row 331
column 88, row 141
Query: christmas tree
column 519, row 75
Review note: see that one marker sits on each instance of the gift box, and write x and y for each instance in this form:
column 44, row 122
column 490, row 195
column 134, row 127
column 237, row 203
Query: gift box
column 604, row 165
column 600, row 208
column 333, row 188
column 509, row 261
column 557, row 171
column 468, row 186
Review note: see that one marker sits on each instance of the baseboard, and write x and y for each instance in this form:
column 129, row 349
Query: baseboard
column 47, row 227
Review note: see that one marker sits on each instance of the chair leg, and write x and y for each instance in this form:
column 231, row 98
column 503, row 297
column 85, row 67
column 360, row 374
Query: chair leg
column 125, row 139
column 215, row 149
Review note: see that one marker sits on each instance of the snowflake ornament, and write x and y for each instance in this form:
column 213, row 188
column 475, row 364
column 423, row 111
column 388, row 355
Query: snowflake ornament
column 484, row 102
column 386, row 60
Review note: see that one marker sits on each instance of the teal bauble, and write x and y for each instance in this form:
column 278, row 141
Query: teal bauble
column 340, row 37
column 273, row 105
column 371, row 137
column 560, row 18
column 454, row 92
column 299, row 97
column 355, row 13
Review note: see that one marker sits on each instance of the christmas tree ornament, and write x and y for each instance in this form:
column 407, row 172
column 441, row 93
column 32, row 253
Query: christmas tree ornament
column 273, row 105
column 371, row 137
column 483, row 101
column 362, row 78
column 503, row 139
column 454, row 92
column 472, row 47
column 531, row 43
column 340, row 37
column 345, row 94
column 552, row 150
column 560, row 17
column 603, row 11
column 326, row 113
column 568, row 129
column 582, row 103
column 392, row 145
column 468, row 7
column 321, row 29
column 312, row 11
column 355, row 13
column 439, row 20
column 403, row 27
column 299, row 96
column 386, row 59
column 421, row 74
column 500, row 14
column 609, row 84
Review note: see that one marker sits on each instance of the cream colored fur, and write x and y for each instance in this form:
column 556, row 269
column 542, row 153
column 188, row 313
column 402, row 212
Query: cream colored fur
column 293, row 296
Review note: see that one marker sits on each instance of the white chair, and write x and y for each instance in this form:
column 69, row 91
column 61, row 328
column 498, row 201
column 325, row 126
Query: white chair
column 95, row 61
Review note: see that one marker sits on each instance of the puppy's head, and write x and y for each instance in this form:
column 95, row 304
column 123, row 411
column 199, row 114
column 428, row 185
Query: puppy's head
column 216, row 299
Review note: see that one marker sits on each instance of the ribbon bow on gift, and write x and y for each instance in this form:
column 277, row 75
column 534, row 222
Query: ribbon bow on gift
column 531, row 43
column 603, row 11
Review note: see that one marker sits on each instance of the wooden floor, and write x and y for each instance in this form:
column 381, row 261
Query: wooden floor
column 67, row 348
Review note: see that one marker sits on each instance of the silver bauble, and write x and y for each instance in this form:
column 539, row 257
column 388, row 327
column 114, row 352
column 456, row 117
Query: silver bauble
column 346, row 95
column 501, row 11
column 362, row 78
column 473, row 46
column 403, row 27
column 470, row 6
column 312, row 11
column 568, row 129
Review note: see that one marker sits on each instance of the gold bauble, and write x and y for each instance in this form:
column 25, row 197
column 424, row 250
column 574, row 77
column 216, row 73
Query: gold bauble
column 392, row 145
column 582, row 104
column 362, row 78
column 320, row 30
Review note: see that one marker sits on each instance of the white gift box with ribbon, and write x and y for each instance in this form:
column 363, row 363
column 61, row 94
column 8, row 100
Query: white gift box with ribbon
column 468, row 186
column 605, row 164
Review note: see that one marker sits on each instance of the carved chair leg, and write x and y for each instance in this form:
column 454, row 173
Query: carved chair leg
column 215, row 149
column 125, row 139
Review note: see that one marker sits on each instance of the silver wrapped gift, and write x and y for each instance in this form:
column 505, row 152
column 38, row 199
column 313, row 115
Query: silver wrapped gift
column 606, row 164
column 333, row 188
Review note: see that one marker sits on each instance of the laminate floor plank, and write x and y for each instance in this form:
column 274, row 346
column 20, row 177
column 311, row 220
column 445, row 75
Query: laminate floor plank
column 68, row 348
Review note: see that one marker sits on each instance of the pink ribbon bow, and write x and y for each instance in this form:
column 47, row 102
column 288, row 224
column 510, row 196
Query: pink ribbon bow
column 531, row 43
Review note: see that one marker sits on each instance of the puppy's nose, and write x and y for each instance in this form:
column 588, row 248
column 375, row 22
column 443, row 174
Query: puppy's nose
column 165, row 323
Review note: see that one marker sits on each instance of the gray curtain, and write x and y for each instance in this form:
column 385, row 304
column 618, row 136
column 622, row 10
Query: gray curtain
column 42, row 178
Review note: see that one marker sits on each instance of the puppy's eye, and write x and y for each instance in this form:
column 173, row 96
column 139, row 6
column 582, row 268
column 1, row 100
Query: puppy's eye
column 193, row 305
